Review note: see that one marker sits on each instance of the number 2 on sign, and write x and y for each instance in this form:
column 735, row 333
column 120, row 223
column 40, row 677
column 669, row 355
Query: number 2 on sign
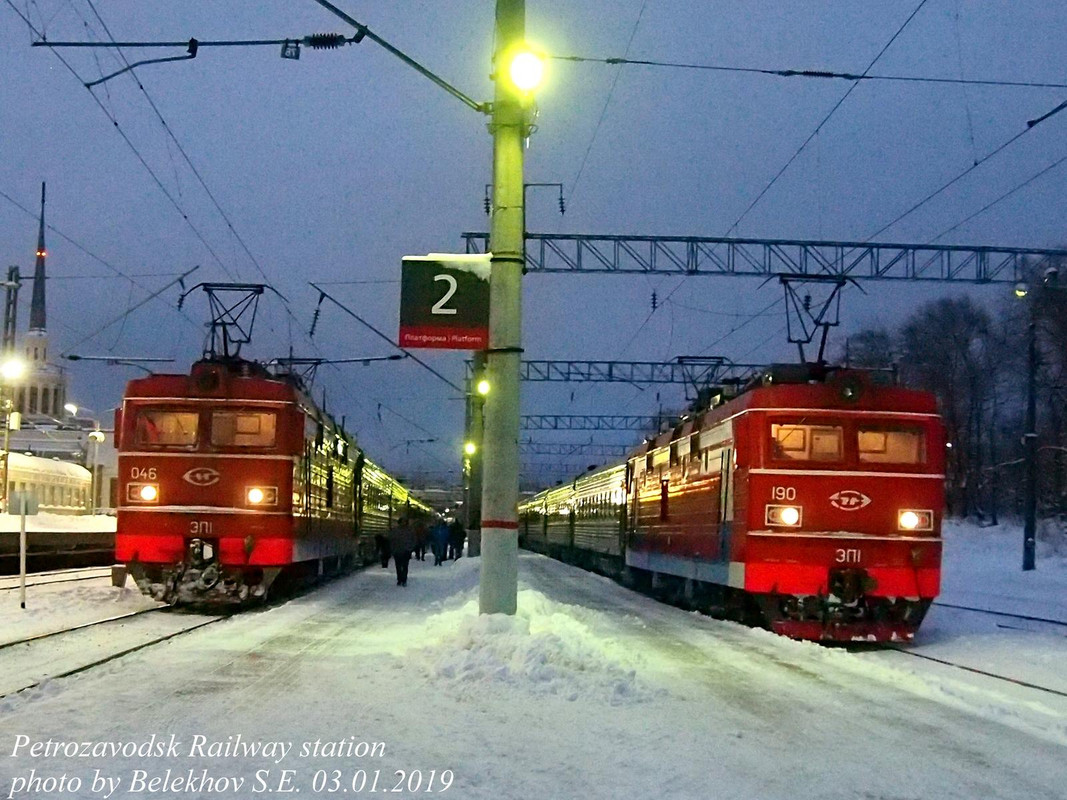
column 439, row 306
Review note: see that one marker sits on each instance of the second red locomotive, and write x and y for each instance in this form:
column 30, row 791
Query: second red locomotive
column 812, row 501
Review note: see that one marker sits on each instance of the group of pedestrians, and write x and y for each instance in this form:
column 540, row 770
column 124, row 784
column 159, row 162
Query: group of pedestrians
column 407, row 537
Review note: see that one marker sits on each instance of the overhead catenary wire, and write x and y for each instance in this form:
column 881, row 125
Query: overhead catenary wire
column 1002, row 197
column 960, row 176
column 360, row 320
column 124, row 315
column 607, row 102
column 817, row 74
column 804, row 145
column 129, row 143
column 825, row 119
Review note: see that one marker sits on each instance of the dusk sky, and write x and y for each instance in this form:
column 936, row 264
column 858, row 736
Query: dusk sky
column 333, row 167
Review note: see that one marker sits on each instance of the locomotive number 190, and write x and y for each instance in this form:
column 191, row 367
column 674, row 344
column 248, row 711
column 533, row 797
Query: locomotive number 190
column 783, row 493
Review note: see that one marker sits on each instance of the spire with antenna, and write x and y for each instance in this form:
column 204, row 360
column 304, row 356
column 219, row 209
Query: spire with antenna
column 37, row 305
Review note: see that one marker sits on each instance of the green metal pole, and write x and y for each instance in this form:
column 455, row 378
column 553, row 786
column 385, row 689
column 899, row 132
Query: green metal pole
column 498, row 586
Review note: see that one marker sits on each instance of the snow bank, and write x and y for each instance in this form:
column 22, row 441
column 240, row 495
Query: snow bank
column 545, row 649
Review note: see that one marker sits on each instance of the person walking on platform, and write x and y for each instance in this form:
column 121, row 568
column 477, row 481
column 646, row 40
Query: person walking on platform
column 456, row 535
column 384, row 551
column 439, row 542
column 402, row 541
column 421, row 535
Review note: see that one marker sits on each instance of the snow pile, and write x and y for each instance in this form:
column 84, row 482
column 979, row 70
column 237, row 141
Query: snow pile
column 545, row 649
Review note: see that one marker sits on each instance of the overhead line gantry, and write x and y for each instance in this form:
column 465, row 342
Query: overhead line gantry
column 744, row 257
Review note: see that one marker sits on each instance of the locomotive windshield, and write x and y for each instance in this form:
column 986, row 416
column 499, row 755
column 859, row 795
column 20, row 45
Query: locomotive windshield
column 162, row 428
column 891, row 444
column 807, row 442
column 243, row 428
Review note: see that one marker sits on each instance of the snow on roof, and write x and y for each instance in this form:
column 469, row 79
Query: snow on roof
column 48, row 466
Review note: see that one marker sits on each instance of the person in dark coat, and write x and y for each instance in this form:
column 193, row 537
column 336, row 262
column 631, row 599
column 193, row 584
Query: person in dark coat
column 456, row 535
column 421, row 535
column 402, row 541
column 384, row 550
column 439, row 542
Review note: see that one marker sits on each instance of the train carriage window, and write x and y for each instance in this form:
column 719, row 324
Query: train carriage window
column 165, row 428
column 882, row 444
column 243, row 428
column 807, row 442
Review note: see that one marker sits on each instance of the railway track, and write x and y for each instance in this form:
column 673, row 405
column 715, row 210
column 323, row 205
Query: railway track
column 69, row 652
column 982, row 672
column 48, row 635
column 990, row 612
column 10, row 582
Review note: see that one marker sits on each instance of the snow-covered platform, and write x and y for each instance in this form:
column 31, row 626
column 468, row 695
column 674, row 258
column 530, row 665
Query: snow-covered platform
column 591, row 691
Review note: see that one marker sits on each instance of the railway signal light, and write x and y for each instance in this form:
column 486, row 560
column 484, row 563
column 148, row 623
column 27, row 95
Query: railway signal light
column 470, row 448
column 483, row 387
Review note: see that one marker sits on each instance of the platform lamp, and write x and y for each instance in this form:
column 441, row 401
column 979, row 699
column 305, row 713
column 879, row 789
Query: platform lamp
column 96, row 436
column 11, row 369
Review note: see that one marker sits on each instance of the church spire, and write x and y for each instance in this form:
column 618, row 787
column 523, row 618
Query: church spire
column 37, row 307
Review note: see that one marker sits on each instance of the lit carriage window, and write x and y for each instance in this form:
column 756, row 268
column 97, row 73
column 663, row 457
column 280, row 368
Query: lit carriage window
column 807, row 442
column 165, row 428
column 243, row 428
column 892, row 444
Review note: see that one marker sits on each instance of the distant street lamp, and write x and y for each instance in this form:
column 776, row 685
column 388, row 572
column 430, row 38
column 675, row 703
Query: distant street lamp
column 95, row 437
column 11, row 369
column 1022, row 290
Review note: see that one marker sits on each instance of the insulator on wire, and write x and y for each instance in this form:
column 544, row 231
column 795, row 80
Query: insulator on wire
column 315, row 316
column 562, row 205
column 488, row 205
column 325, row 41
column 655, row 300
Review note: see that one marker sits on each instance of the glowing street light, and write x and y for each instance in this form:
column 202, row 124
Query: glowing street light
column 526, row 69
column 12, row 369
column 470, row 448
column 71, row 409
column 483, row 387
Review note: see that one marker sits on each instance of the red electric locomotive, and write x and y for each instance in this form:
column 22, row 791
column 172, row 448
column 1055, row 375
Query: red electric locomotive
column 230, row 477
column 813, row 499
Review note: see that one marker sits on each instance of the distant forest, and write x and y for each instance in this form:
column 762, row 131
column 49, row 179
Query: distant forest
column 975, row 360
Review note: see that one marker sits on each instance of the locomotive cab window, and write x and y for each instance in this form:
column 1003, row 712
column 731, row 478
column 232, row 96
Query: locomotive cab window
column 243, row 428
column 807, row 442
column 156, row 427
column 880, row 444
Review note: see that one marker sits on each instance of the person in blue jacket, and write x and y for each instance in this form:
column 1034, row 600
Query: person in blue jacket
column 439, row 542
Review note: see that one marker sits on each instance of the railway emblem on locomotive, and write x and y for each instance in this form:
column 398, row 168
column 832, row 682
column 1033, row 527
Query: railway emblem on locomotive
column 849, row 500
column 201, row 476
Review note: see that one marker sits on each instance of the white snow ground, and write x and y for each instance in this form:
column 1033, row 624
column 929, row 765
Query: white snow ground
column 590, row 691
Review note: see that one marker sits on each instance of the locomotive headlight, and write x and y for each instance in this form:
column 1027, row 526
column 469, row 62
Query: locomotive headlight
column 784, row 516
column 914, row 520
column 261, row 495
column 142, row 492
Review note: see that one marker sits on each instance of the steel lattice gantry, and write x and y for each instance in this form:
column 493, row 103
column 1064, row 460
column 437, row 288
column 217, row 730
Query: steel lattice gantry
column 564, row 449
column 706, row 255
column 594, row 422
column 690, row 371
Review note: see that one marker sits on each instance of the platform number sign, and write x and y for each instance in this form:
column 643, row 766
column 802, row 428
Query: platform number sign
column 444, row 301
